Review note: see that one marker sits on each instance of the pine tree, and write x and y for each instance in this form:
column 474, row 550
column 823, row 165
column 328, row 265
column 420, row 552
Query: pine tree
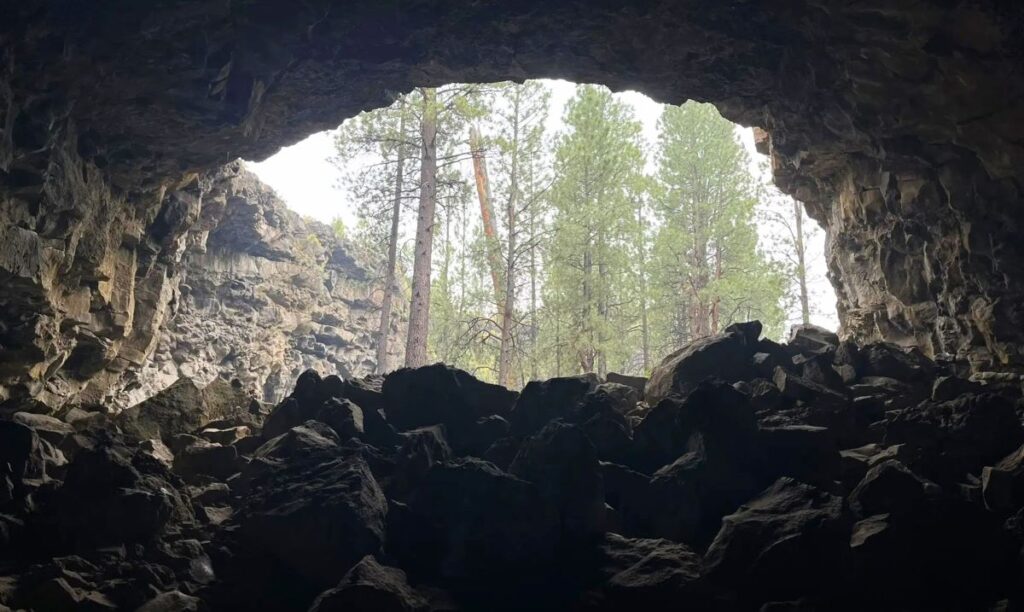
column 597, row 161
column 707, row 268
column 380, row 190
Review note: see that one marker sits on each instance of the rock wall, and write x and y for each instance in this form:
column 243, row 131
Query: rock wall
column 898, row 125
column 263, row 296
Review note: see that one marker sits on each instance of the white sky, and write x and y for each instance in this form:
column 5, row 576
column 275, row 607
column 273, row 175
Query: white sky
column 304, row 178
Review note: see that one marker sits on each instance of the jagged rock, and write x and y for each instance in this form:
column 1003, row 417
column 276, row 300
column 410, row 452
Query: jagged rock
column 207, row 459
column 171, row 601
column 726, row 356
column 561, row 460
column 109, row 497
column 371, row 586
column 889, row 488
column 950, row 439
column 422, row 449
column 788, row 541
column 51, row 429
column 181, row 408
column 801, row 389
column 470, row 519
column 158, row 450
column 225, row 436
column 317, row 518
column 1003, row 483
column 883, row 359
column 21, row 455
column 664, row 434
column 544, row 401
column 804, row 452
column 439, row 394
column 649, row 574
column 636, row 382
column 813, row 339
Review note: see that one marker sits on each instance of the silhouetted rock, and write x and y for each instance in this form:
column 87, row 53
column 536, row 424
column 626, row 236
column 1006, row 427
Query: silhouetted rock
column 726, row 356
column 371, row 586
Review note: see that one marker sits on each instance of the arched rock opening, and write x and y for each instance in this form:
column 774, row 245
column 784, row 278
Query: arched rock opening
column 901, row 128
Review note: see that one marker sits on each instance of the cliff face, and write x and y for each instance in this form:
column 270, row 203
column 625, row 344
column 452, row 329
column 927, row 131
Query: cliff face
column 224, row 281
column 263, row 295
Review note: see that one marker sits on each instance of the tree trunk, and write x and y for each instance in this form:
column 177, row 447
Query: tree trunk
column 801, row 266
column 419, row 308
column 390, row 288
column 645, row 338
column 509, row 297
column 483, row 192
column 716, row 305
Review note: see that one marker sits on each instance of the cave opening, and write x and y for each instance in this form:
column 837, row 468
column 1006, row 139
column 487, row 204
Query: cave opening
column 655, row 230
column 878, row 466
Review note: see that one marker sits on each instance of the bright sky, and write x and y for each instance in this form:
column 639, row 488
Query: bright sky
column 304, row 178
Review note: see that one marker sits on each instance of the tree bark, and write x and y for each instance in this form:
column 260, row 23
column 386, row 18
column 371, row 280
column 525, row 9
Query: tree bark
column 801, row 267
column 390, row 288
column 509, row 297
column 483, row 192
column 419, row 308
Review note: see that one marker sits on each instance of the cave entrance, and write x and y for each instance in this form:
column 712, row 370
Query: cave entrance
column 634, row 227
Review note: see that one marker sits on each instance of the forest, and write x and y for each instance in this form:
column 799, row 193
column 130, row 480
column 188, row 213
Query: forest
column 518, row 253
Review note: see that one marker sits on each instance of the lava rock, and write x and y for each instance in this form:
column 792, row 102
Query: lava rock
column 371, row 586
column 725, row 356
column 789, row 541
column 561, row 460
column 544, row 401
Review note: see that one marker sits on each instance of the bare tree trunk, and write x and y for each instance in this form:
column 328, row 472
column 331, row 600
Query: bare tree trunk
column 390, row 288
column 801, row 267
column 716, row 305
column 483, row 192
column 534, row 328
column 419, row 308
column 645, row 338
column 509, row 298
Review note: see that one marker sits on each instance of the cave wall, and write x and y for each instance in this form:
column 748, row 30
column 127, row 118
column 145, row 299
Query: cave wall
column 898, row 124
column 263, row 295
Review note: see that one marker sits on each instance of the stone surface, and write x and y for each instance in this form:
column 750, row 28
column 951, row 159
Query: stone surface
column 720, row 502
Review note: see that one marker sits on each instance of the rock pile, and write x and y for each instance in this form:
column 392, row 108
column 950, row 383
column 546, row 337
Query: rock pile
column 744, row 475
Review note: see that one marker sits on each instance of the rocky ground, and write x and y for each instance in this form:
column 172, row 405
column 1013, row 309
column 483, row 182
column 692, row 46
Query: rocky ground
column 744, row 475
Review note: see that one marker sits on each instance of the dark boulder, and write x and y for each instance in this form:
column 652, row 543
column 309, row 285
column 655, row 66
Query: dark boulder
column 789, row 541
column 648, row 574
column 1003, row 483
column 468, row 520
column 544, row 401
column 812, row 339
column 890, row 488
column 439, row 394
column 373, row 587
column 561, row 460
column 726, row 356
column 206, row 459
column 316, row 519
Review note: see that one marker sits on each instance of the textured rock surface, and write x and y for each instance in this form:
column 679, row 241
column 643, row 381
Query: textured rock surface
column 735, row 506
column 248, row 290
column 264, row 295
column 900, row 127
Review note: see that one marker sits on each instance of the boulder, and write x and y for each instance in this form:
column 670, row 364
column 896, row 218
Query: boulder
column 1003, row 484
column 371, row 586
column 544, row 401
column 890, row 488
column 649, row 574
column 182, row 408
column 439, row 394
column 789, row 541
column 470, row 520
column 561, row 460
column 315, row 518
column 812, row 339
column 726, row 356
column 206, row 459
column 421, row 450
